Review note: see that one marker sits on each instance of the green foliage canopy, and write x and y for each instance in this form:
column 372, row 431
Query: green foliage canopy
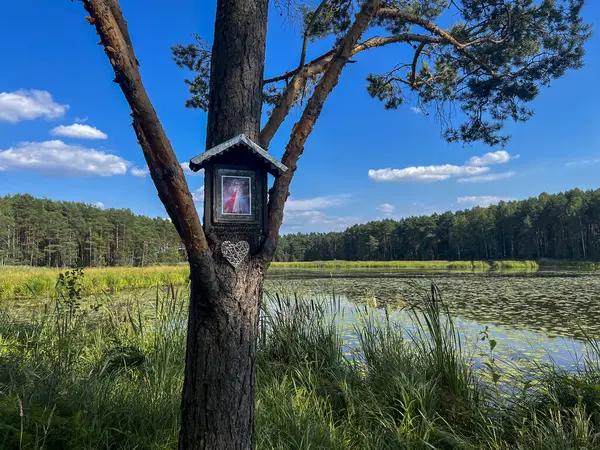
column 488, row 58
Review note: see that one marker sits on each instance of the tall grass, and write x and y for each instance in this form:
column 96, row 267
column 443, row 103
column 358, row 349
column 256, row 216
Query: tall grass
column 38, row 282
column 514, row 265
column 107, row 374
column 31, row 282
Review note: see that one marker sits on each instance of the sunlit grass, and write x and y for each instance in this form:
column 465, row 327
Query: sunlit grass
column 108, row 374
column 32, row 282
column 27, row 282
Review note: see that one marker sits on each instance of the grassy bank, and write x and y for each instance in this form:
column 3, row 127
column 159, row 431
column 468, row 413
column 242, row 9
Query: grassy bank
column 27, row 282
column 439, row 265
column 74, row 378
column 36, row 282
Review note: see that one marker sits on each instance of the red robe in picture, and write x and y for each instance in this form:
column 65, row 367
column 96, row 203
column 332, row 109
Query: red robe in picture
column 232, row 205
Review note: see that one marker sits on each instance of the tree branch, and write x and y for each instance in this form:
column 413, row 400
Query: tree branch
column 318, row 65
column 302, row 129
column 415, row 61
column 308, row 32
column 164, row 167
column 433, row 28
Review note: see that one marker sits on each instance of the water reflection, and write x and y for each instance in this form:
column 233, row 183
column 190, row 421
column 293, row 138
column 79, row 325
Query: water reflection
column 541, row 317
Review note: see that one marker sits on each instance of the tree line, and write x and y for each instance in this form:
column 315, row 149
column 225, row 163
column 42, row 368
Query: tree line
column 559, row 226
column 42, row 232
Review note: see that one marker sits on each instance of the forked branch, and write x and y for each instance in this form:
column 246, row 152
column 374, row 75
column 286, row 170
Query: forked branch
column 164, row 167
column 303, row 128
column 437, row 31
column 299, row 76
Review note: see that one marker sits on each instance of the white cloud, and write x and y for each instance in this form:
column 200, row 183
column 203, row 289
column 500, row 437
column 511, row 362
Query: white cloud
column 55, row 158
column 305, row 214
column 499, row 157
column 488, row 177
column 386, row 208
column 78, row 131
column 198, row 195
column 81, row 119
column 582, row 162
column 425, row 173
column 143, row 171
column 474, row 169
column 139, row 171
column 99, row 205
column 28, row 105
column 416, row 110
column 186, row 169
column 316, row 203
column 315, row 221
column 482, row 200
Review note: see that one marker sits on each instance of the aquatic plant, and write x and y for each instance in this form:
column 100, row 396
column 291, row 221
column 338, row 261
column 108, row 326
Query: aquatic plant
column 112, row 376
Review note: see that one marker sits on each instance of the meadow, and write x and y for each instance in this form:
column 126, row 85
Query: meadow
column 84, row 372
column 39, row 282
column 36, row 282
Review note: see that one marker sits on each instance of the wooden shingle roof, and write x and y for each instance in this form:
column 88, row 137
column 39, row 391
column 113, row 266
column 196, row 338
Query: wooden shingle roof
column 275, row 167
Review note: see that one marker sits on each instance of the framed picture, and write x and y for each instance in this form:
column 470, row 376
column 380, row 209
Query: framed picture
column 235, row 196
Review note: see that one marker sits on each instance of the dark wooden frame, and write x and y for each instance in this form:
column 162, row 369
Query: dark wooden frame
column 221, row 171
column 213, row 197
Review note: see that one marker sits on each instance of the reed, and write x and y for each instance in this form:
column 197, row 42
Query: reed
column 108, row 374
column 35, row 282
column 38, row 282
column 514, row 265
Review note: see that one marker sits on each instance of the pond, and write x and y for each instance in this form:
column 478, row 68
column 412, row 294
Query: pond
column 536, row 316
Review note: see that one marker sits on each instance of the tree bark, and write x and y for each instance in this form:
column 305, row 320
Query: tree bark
column 310, row 115
column 217, row 409
column 218, row 394
column 237, row 68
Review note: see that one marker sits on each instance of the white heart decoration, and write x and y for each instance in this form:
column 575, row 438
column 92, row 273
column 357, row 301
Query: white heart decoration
column 235, row 252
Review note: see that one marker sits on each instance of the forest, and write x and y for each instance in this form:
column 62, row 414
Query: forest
column 42, row 232
column 559, row 226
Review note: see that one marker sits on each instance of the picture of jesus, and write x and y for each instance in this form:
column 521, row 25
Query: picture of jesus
column 236, row 195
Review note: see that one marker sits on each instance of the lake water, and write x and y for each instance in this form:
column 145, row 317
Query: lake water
column 536, row 316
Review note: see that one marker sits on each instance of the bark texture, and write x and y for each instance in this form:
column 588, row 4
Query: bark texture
column 217, row 407
column 218, row 396
column 164, row 167
column 218, row 393
column 302, row 129
column 237, row 67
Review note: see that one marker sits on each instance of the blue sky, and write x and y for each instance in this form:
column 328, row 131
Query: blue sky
column 55, row 89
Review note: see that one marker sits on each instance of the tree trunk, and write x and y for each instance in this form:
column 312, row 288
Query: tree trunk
column 237, row 69
column 218, row 393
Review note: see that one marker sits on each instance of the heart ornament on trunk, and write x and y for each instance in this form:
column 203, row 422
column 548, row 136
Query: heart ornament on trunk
column 235, row 252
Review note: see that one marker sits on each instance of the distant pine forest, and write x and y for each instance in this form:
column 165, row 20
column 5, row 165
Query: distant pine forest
column 560, row 226
column 42, row 232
